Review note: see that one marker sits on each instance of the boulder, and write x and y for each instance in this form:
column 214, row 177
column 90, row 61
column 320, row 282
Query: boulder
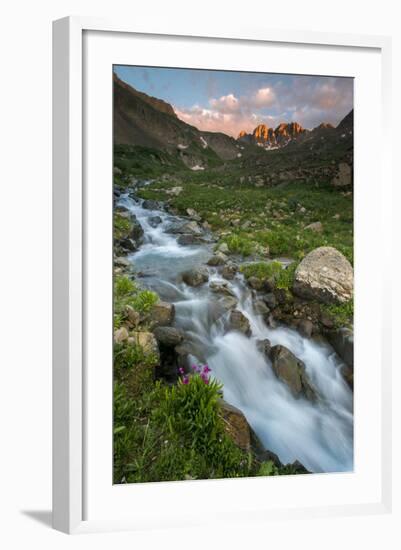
column 191, row 228
column 195, row 277
column 120, row 261
column 343, row 178
column 120, row 335
column 239, row 322
column 229, row 272
column 324, row 275
column 342, row 341
column 291, row 370
column 182, row 352
column 217, row 259
column 154, row 221
column 305, row 327
column 150, row 204
column 228, row 302
column 223, row 247
column 189, row 239
column 264, row 346
column 255, row 283
column 162, row 314
column 270, row 300
column 317, row 227
column 132, row 316
column 147, row 342
column 236, row 425
column 168, row 336
column 136, row 231
column 175, row 191
column 221, row 288
column 193, row 214
column 128, row 244
column 260, row 307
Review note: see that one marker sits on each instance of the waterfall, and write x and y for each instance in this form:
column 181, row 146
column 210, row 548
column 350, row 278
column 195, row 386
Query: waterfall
column 319, row 435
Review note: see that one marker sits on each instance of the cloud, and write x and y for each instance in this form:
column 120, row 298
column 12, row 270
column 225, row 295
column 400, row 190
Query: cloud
column 307, row 100
column 264, row 97
column 225, row 104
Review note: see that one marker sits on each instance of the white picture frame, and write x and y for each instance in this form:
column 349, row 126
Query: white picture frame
column 70, row 260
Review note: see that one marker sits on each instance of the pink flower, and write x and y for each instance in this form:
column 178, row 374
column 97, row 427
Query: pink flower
column 181, row 370
column 185, row 380
column 206, row 369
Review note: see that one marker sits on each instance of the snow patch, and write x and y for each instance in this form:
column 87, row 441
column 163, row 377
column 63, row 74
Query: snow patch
column 197, row 167
column 203, row 141
column 239, row 155
column 181, row 146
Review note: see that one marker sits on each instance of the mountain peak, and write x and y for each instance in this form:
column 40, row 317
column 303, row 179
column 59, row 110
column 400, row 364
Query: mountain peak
column 267, row 137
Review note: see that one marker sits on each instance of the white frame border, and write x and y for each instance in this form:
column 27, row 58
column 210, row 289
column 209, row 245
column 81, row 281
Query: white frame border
column 68, row 258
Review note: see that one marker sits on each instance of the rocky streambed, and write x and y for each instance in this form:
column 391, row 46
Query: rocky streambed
column 286, row 391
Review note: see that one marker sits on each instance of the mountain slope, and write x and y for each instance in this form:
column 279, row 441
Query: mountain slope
column 146, row 121
column 322, row 154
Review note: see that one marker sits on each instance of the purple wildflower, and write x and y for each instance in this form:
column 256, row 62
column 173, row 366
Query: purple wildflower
column 185, row 380
column 181, row 370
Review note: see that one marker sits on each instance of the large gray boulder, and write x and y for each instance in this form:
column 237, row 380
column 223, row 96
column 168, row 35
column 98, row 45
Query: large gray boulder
column 324, row 275
column 291, row 370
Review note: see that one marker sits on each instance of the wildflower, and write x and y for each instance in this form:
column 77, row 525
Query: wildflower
column 206, row 369
column 181, row 370
column 185, row 380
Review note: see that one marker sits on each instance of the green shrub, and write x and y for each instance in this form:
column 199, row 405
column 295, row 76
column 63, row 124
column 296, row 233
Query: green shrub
column 144, row 301
column 173, row 433
column 268, row 469
column 240, row 245
column 285, row 278
column 122, row 226
column 127, row 293
column 342, row 315
column 124, row 287
column 262, row 270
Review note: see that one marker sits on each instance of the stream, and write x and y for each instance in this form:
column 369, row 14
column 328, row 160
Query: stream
column 319, row 435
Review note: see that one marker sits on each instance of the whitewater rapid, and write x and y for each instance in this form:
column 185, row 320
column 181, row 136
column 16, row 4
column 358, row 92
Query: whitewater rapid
column 319, row 435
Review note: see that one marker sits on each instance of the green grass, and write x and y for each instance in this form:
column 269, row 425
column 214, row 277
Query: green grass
column 341, row 314
column 275, row 214
column 239, row 244
column 177, row 433
column 281, row 277
column 263, row 270
column 144, row 163
column 128, row 293
column 173, row 433
column 122, row 226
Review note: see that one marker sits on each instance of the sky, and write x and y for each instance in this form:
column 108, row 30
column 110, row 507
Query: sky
column 224, row 101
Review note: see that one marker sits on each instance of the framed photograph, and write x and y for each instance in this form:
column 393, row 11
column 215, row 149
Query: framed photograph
column 219, row 319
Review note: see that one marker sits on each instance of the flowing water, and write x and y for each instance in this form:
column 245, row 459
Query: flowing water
column 319, row 435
